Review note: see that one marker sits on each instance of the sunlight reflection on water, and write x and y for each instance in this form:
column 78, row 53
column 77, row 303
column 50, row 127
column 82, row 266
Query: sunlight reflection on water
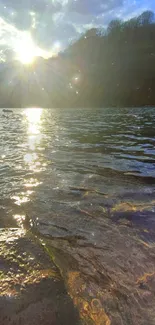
column 32, row 119
column 31, row 183
column 19, row 219
column 89, row 177
column 33, row 116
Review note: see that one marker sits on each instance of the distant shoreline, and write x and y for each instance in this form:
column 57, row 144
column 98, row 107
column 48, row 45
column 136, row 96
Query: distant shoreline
column 87, row 107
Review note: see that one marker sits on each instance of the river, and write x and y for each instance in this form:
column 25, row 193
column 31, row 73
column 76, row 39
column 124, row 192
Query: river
column 88, row 176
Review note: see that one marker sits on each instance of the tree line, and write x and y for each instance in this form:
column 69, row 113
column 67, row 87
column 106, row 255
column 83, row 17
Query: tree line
column 112, row 67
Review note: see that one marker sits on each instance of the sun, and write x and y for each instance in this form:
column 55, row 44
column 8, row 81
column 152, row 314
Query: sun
column 26, row 50
column 26, row 57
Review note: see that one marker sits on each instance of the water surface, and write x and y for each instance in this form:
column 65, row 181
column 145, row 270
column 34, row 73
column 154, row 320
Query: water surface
column 88, row 175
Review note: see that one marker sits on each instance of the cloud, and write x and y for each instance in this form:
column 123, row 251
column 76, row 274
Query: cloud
column 46, row 35
column 133, row 8
column 19, row 12
column 53, row 22
column 93, row 6
column 8, row 34
column 31, row 5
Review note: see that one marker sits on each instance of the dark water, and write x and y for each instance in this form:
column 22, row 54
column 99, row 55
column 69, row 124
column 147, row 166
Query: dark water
column 88, row 175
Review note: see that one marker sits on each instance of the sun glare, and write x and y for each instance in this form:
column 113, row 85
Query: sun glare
column 26, row 57
column 26, row 50
column 33, row 116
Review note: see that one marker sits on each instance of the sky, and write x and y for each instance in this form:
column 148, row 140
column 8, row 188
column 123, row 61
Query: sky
column 48, row 26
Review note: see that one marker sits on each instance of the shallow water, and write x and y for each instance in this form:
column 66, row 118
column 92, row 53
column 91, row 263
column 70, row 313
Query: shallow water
column 88, row 175
column 45, row 152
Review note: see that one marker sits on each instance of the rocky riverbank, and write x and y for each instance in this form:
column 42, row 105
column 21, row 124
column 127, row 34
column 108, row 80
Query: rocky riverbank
column 32, row 291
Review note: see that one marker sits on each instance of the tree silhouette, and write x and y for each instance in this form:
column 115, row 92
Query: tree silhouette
column 146, row 18
column 113, row 67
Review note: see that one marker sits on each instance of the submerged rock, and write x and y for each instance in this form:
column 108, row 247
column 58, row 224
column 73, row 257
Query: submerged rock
column 32, row 291
column 110, row 274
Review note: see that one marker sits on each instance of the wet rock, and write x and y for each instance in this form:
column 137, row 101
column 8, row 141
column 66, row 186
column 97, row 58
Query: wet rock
column 109, row 274
column 32, row 291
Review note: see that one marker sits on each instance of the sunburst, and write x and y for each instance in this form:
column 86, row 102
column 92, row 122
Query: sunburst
column 26, row 50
